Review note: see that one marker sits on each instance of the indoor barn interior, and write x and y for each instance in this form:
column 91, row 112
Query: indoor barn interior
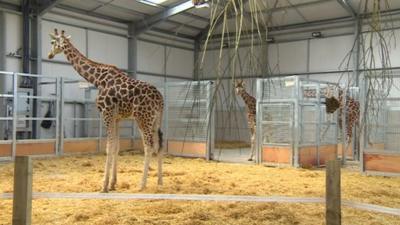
column 191, row 112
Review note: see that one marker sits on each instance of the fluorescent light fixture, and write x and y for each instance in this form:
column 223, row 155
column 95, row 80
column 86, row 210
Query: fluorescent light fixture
column 152, row 2
column 316, row 34
column 201, row 4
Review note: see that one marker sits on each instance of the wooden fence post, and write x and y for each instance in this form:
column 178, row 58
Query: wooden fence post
column 333, row 198
column 22, row 201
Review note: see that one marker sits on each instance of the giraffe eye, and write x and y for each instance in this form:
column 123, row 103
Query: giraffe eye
column 52, row 42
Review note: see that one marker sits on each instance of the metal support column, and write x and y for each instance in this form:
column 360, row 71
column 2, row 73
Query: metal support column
column 132, row 51
column 25, row 8
column 2, row 45
column 196, row 63
column 356, row 71
column 3, row 101
column 36, row 68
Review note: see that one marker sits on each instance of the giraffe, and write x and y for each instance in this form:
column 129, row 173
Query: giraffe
column 250, row 102
column 352, row 111
column 119, row 97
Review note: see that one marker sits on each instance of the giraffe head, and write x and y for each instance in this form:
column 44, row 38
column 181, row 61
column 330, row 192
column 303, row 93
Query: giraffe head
column 239, row 86
column 58, row 42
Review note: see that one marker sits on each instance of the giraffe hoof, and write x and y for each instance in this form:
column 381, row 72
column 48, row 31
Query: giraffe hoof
column 112, row 189
column 250, row 159
column 104, row 190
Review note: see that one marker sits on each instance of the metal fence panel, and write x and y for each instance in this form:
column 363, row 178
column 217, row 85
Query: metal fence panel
column 277, row 123
column 188, row 110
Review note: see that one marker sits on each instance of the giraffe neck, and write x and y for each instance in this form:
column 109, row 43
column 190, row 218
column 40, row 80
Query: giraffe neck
column 93, row 72
column 247, row 98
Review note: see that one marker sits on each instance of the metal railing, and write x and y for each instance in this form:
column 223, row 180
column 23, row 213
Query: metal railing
column 60, row 118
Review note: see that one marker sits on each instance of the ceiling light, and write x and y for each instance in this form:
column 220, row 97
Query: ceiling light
column 316, row 34
column 152, row 2
column 201, row 4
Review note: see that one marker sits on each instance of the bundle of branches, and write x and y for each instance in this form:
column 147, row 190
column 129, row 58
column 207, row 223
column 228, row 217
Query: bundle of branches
column 332, row 104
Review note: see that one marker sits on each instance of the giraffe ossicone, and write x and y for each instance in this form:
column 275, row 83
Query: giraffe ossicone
column 119, row 97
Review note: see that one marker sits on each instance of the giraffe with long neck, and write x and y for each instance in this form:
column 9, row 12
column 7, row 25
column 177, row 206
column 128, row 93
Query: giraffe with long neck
column 119, row 97
column 250, row 102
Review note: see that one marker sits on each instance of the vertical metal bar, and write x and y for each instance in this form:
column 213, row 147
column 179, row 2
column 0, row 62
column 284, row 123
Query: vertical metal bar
column 86, row 113
column 25, row 5
column 15, row 116
column 259, row 112
column 319, row 122
column 74, row 123
column 196, row 63
column 36, row 68
column 57, row 145
column 344, row 123
column 61, row 116
column 210, row 122
column 166, row 118
column 3, row 77
column 295, row 123
column 308, row 56
column 364, row 123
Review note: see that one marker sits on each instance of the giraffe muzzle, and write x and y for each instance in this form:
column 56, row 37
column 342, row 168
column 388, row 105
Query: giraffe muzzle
column 50, row 56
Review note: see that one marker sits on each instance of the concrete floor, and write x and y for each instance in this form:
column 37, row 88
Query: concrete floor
column 240, row 155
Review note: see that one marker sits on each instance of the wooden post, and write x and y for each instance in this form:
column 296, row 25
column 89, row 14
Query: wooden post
column 22, row 201
column 333, row 198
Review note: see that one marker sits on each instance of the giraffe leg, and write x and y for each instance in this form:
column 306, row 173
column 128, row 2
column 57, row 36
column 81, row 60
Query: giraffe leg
column 160, row 156
column 252, row 139
column 147, row 156
column 157, row 134
column 110, row 149
column 115, row 156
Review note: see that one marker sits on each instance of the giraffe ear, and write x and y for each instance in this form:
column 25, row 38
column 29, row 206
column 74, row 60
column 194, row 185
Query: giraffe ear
column 68, row 37
column 52, row 36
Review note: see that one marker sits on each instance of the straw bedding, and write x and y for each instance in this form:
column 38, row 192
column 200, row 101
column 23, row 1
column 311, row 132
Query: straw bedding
column 194, row 176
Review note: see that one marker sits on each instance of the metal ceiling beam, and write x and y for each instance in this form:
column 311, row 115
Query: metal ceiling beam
column 173, row 33
column 123, row 9
column 184, row 25
column 205, row 31
column 202, row 34
column 94, row 14
column 196, row 17
column 10, row 6
column 346, row 5
column 45, row 6
column 164, row 15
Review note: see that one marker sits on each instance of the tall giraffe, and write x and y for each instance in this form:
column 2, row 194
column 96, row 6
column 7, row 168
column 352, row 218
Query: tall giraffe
column 119, row 97
column 250, row 102
column 352, row 111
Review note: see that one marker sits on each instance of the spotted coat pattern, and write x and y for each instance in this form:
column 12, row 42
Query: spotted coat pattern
column 119, row 96
column 250, row 102
column 352, row 114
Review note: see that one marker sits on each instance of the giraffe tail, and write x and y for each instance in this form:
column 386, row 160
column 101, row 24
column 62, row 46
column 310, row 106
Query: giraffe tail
column 160, row 139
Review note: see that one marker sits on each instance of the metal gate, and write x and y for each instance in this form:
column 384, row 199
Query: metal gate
column 189, row 117
column 277, row 127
